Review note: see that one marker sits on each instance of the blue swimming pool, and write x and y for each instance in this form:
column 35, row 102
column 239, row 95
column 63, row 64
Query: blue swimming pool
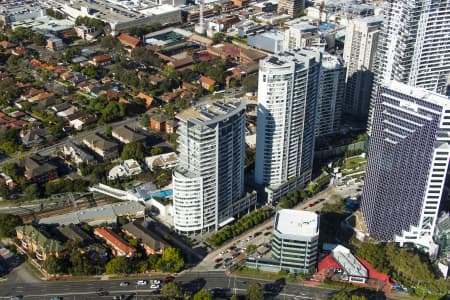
column 163, row 194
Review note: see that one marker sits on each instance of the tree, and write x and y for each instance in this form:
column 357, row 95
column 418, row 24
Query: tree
column 119, row 265
column 255, row 292
column 8, row 224
column 203, row 295
column 250, row 249
column 53, row 265
column 12, row 170
column 80, row 264
column 171, row 260
column 39, row 39
column 250, row 84
column 145, row 120
column 233, row 297
column 108, row 42
column 108, row 131
column 172, row 290
column 156, row 151
column 218, row 37
column 133, row 150
column 32, row 192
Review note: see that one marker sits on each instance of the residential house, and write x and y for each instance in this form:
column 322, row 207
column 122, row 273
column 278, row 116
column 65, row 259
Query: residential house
column 169, row 97
column 77, row 155
column 38, row 169
column 129, row 167
column 54, row 44
column 149, row 241
column 87, row 33
column 34, row 136
column 221, row 24
column 118, row 245
column 106, row 149
column 207, row 83
column 158, row 122
column 38, row 241
column 5, row 179
column 128, row 40
column 162, row 161
column 235, row 53
column 80, row 120
column 30, row 92
column 127, row 135
column 149, row 100
column 101, row 60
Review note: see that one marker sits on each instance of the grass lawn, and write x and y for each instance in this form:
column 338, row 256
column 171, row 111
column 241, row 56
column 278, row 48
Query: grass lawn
column 353, row 162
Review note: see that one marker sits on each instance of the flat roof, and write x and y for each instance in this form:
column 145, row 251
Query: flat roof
column 297, row 222
column 417, row 92
column 211, row 110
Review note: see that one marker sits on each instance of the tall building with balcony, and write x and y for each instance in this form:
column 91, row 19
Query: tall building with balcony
column 361, row 40
column 287, row 104
column 414, row 45
column 291, row 7
column 331, row 95
column 295, row 240
column 303, row 35
column 407, row 164
column 208, row 182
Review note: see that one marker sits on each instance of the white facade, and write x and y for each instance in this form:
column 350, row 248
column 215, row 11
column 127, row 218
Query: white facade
column 287, row 102
column 414, row 45
column 361, row 41
column 331, row 95
column 209, row 178
column 295, row 239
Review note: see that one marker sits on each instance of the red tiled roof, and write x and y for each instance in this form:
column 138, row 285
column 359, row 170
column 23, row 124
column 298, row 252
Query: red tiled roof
column 207, row 80
column 101, row 58
column 128, row 40
column 328, row 263
column 114, row 239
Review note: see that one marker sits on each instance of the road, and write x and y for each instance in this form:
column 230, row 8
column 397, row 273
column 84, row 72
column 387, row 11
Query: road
column 345, row 191
column 90, row 289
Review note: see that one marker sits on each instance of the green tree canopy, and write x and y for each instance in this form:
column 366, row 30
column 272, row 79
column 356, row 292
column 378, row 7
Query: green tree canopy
column 172, row 290
column 250, row 83
column 171, row 260
column 54, row 265
column 133, row 150
column 203, row 295
column 119, row 265
column 255, row 292
column 8, row 224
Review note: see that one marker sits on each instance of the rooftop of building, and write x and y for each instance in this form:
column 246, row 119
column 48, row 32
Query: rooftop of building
column 418, row 92
column 210, row 111
column 330, row 61
column 44, row 24
column 14, row 7
column 105, row 212
column 304, row 27
column 293, row 55
column 297, row 222
column 371, row 20
column 351, row 265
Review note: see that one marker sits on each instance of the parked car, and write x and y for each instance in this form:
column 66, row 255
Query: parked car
column 142, row 282
column 154, row 286
column 170, row 278
column 217, row 260
column 124, row 283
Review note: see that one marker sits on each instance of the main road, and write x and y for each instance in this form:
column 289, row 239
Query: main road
column 110, row 288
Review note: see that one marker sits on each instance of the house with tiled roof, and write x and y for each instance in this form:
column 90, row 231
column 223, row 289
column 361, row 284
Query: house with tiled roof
column 158, row 122
column 101, row 60
column 38, row 169
column 128, row 40
column 147, row 239
column 207, row 83
column 118, row 246
column 149, row 100
column 73, row 232
column 168, row 97
column 34, row 136
column 127, row 135
column 38, row 241
column 79, row 120
column 106, row 149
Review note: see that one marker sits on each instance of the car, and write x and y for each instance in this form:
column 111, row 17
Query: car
column 102, row 293
column 142, row 282
column 56, row 298
column 170, row 278
column 17, row 297
column 216, row 266
column 267, row 233
column 223, row 252
column 154, row 286
column 311, row 205
column 124, row 283
column 321, row 199
column 217, row 260
column 236, row 255
column 156, row 281
column 257, row 233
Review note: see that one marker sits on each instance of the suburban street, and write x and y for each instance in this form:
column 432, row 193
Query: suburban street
column 90, row 289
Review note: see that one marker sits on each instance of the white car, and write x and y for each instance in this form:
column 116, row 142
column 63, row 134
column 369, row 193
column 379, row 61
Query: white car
column 154, row 286
column 156, row 281
column 142, row 282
